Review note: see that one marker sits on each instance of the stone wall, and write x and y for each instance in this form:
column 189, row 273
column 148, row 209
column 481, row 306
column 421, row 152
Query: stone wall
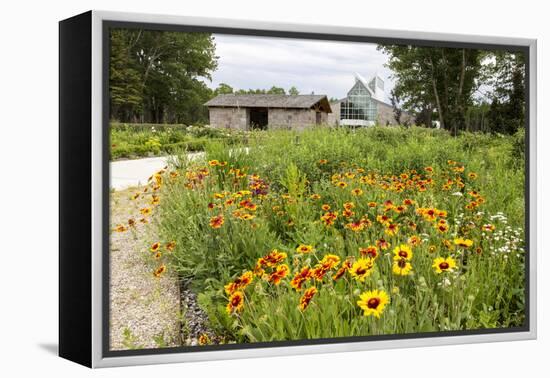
column 386, row 116
column 234, row 118
column 296, row 119
column 333, row 119
column 239, row 118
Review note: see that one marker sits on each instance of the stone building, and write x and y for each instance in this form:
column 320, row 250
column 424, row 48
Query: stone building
column 365, row 106
column 260, row 111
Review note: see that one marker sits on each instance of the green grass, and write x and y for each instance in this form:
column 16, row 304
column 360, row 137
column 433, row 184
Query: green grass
column 485, row 290
column 141, row 140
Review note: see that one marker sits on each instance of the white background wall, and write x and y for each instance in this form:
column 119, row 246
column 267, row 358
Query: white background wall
column 28, row 188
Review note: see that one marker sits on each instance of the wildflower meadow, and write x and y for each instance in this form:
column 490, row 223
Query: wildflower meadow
column 331, row 233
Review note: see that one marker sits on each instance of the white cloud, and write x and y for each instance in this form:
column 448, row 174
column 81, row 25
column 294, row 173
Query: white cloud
column 323, row 67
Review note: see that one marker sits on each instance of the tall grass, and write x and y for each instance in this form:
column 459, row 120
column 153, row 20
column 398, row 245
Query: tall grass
column 484, row 291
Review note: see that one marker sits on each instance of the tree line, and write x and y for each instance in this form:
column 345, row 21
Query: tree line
column 160, row 77
column 224, row 88
column 460, row 88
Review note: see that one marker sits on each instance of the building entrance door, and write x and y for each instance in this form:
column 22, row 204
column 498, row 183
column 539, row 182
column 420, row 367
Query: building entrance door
column 258, row 118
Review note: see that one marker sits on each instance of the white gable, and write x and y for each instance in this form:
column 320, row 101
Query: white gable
column 375, row 86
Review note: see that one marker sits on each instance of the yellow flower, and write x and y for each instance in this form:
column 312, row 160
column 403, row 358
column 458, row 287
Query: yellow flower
column 158, row 178
column 204, row 339
column 383, row 244
column 236, row 302
column 155, row 247
column 371, row 251
column 247, row 204
column 159, row 271
column 346, row 265
column 403, row 252
column 304, row 248
column 273, row 258
column 300, row 277
column 341, row 184
column 361, row 269
column 281, row 271
column 464, row 243
column 347, row 213
column 349, row 205
column 441, row 264
column 307, row 297
column 240, row 283
column 315, row 197
column 356, row 226
column 442, row 227
column 357, row 192
column 217, row 221
column 408, row 202
column 401, row 267
column 414, row 241
column 121, row 228
column 213, row 163
column 488, row 227
column 171, row 245
column 373, row 302
column 392, row 229
column 330, row 261
column 145, row 211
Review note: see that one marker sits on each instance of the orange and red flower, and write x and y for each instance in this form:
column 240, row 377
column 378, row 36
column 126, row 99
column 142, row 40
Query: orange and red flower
column 307, row 297
column 217, row 221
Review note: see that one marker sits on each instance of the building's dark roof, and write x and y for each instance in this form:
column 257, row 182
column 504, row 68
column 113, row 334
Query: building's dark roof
column 270, row 101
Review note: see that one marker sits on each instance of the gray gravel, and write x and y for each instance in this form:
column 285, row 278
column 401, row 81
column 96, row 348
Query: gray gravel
column 145, row 310
column 195, row 319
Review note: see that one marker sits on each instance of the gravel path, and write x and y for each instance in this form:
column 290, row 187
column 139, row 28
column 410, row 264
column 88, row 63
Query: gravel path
column 145, row 310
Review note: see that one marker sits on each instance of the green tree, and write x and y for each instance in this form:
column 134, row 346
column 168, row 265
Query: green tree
column 223, row 89
column 276, row 90
column 158, row 76
column 507, row 110
column 437, row 78
column 126, row 91
column 293, row 91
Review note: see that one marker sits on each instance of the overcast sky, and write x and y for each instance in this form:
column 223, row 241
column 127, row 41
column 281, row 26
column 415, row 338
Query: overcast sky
column 323, row 67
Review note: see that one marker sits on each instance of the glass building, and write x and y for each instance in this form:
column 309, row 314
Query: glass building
column 360, row 107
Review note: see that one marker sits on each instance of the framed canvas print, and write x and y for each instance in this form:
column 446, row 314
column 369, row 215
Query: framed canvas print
column 232, row 189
